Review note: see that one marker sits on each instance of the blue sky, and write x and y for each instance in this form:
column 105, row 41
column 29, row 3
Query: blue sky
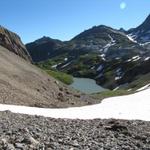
column 63, row 19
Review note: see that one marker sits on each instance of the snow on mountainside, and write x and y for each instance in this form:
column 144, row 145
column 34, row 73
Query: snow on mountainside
column 141, row 34
column 98, row 46
column 131, row 107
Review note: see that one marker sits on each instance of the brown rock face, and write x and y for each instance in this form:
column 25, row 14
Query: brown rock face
column 12, row 42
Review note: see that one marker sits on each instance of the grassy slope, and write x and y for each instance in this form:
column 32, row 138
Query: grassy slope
column 109, row 93
column 136, row 84
column 141, row 81
column 63, row 77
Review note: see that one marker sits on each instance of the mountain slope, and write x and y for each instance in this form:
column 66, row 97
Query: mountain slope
column 22, row 83
column 141, row 33
column 112, row 57
column 101, row 53
column 12, row 42
column 99, row 39
column 43, row 48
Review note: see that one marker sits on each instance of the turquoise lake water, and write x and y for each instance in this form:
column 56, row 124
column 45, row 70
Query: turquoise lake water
column 86, row 85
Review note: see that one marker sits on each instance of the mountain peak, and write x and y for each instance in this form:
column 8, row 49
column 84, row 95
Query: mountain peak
column 148, row 18
column 97, row 32
column 146, row 24
column 46, row 39
column 142, row 33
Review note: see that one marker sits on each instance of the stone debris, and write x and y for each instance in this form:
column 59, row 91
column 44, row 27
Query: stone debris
column 24, row 132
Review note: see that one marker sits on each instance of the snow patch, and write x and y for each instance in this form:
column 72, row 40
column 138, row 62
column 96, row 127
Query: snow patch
column 147, row 58
column 54, row 66
column 117, row 58
column 100, row 68
column 109, row 44
column 65, row 59
column 118, row 78
column 102, row 55
column 144, row 87
column 130, row 37
column 129, row 60
column 129, row 90
column 92, row 67
column 111, row 39
column 115, row 89
column 130, row 107
column 66, row 65
column 104, row 59
column 134, row 58
column 119, row 74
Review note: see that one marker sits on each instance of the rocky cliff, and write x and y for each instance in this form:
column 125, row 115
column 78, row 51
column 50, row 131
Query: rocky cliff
column 12, row 42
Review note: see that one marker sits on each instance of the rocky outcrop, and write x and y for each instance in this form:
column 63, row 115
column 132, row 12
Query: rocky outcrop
column 35, row 132
column 12, row 42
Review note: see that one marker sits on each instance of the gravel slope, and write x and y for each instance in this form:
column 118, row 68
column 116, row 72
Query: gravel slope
column 21, row 83
column 24, row 132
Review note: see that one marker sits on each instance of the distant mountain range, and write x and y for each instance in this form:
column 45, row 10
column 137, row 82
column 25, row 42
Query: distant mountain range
column 112, row 57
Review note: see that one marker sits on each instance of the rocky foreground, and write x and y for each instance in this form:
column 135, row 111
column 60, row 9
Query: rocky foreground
column 24, row 132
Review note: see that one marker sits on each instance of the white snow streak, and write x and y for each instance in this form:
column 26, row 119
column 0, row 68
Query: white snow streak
column 135, row 106
column 144, row 87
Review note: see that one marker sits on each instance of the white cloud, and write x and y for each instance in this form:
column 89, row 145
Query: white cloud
column 123, row 5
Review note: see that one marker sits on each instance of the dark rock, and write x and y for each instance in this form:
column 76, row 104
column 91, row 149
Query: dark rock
column 19, row 146
column 12, row 42
column 116, row 127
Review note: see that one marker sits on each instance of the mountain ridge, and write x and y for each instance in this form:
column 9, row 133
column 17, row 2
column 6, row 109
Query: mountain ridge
column 141, row 33
column 105, row 54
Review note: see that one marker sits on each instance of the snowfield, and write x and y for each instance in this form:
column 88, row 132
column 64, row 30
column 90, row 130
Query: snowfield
column 131, row 107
